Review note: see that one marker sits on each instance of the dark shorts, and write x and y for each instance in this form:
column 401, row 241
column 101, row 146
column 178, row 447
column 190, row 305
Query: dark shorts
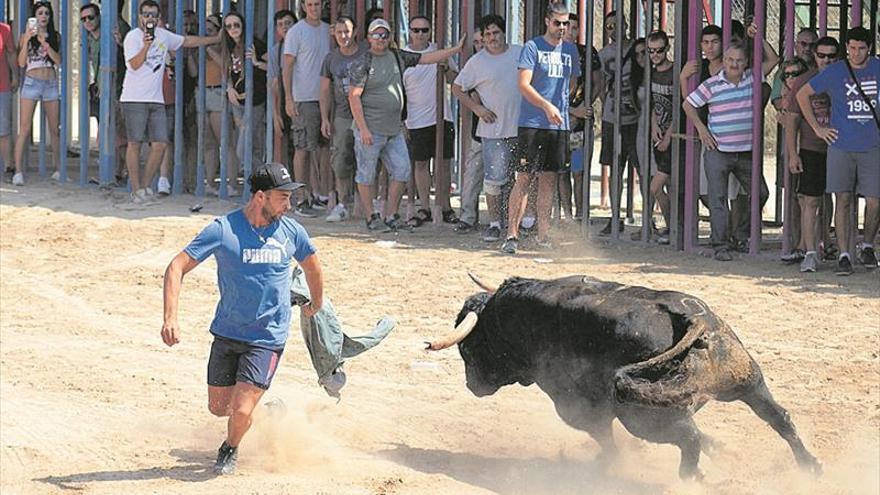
column 232, row 361
column 423, row 142
column 542, row 150
column 812, row 180
column 627, row 141
column 145, row 122
column 663, row 159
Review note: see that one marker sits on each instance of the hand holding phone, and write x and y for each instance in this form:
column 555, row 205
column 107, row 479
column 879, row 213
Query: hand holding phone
column 32, row 25
column 151, row 30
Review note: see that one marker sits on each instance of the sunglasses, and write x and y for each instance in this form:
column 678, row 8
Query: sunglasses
column 87, row 18
column 151, row 14
column 233, row 25
column 379, row 36
column 420, row 30
column 610, row 27
column 826, row 55
column 561, row 23
column 789, row 75
column 657, row 51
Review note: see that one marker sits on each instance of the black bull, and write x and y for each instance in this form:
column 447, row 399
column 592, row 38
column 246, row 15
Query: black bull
column 603, row 350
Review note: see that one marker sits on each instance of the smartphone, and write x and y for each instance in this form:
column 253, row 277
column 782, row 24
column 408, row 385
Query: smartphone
column 151, row 30
column 32, row 23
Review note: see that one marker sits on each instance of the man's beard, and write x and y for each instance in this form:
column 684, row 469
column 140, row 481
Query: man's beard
column 268, row 216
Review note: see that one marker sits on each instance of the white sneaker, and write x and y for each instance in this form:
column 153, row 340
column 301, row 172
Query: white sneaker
column 56, row 176
column 148, row 191
column 164, row 187
column 139, row 197
column 231, row 191
column 338, row 213
column 18, row 179
column 210, row 190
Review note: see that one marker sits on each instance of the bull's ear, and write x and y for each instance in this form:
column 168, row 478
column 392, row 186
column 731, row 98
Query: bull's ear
column 483, row 285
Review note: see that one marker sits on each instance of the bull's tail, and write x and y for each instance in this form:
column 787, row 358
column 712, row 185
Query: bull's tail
column 665, row 380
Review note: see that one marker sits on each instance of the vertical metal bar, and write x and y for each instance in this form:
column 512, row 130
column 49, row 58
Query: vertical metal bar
column 63, row 104
column 84, row 80
column 757, row 122
column 726, row 21
column 201, row 113
column 467, row 26
column 361, row 16
column 843, row 18
column 787, row 197
column 663, row 9
column 647, row 112
column 823, row 17
column 440, row 39
column 106, row 141
column 223, row 190
column 691, row 184
column 179, row 71
column 586, row 15
column 248, row 127
column 3, row 15
column 675, row 180
column 856, row 13
column 616, row 171
column 271, row 43
column 789, row 28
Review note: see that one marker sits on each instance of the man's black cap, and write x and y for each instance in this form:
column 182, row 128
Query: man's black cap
column 272, row 176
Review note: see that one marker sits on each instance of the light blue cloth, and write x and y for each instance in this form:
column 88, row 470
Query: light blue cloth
column 328, row 346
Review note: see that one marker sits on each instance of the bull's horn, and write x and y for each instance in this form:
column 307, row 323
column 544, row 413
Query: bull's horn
column 457, row 335
column 483, row 285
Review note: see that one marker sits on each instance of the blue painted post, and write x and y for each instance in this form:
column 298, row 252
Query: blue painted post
column 2, row 11
column 248, row 127
column 179, row 71
column 200, row 106
column 757, row 121
column 270, row 98
column 107, row 133
column 64, row 107
column 84, row 79
column 223, row 192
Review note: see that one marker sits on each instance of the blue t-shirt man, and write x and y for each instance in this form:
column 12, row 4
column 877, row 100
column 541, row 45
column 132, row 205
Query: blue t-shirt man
column 850, row 114
column 253, row 272
column 552, row 70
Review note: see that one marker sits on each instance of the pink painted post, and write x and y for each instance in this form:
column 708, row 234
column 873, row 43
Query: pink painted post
column 856, row 13
column 691, row 243
column 786, row 174
column 789, row 29
column 823, row 17
column 757, row 124
column 726, row 21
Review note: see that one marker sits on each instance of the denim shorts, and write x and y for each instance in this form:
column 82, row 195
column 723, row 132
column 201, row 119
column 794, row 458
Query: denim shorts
column 499, row 158
column 40, row 89
column 5, row 113
column 145, row 122
column 394, row 154
column 232, row 361
column 214, row 97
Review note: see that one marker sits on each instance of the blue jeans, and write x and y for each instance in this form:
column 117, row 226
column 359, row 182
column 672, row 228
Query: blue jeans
column 40, row 89
column 499, row 158
column 392, row 150
column 719, row 165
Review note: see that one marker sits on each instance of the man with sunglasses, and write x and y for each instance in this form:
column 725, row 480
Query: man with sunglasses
column 808, row 159
column 853, row 139
column 376, row 97
column 143, row 103
column 628, row 113
column 548, row 72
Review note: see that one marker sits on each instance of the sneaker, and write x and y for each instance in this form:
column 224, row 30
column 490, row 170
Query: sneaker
column 510, row 245
column 492, row 234
column 319, row 203
column 795, row 256
column 164, row 187
column 395, row 223
column 8, row 174
column 18, row 179
column 463, row 227
column 149, row 191
column 723, row 255
column 830, row 252
column 543, row 244
column 868, row 258
column 227, row 457
column 449, row 216
column 810, row 262
column 56, row 176
column 607, row 229
column 338, row 213
column 231, row 191
column 303, row 209
column 211, row 190
column 374, row 222
column 139, row 197
column 844, row 266
column 662, row 239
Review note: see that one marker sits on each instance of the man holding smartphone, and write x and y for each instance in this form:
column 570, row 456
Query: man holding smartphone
column 146, row 48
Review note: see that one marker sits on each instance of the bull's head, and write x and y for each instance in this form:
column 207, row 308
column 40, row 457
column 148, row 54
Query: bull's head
column 488, row 365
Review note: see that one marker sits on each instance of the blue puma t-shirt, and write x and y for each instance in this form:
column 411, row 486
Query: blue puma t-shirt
column 253, row 272
column 552, row 68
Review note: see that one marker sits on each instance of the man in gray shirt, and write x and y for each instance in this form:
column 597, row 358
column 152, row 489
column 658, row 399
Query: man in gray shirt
column 376, row 99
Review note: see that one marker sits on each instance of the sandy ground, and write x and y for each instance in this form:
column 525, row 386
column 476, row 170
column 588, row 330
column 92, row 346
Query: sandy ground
column 93, row 402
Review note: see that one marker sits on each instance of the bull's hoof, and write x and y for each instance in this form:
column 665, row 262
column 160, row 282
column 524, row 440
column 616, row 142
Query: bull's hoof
column 811, row 465
column 690, row 474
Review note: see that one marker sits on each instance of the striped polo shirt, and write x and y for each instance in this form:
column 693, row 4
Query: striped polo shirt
column 730, row 110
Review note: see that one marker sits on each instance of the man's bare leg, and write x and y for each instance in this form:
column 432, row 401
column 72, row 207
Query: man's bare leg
column 546, row 185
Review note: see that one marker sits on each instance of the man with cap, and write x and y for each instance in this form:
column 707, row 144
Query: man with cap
column 254, row 248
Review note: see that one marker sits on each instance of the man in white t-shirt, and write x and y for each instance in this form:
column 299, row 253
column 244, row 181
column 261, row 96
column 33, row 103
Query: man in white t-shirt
column 420, row 83
column 306, row 45
column 143, row 104
column 493, row 73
